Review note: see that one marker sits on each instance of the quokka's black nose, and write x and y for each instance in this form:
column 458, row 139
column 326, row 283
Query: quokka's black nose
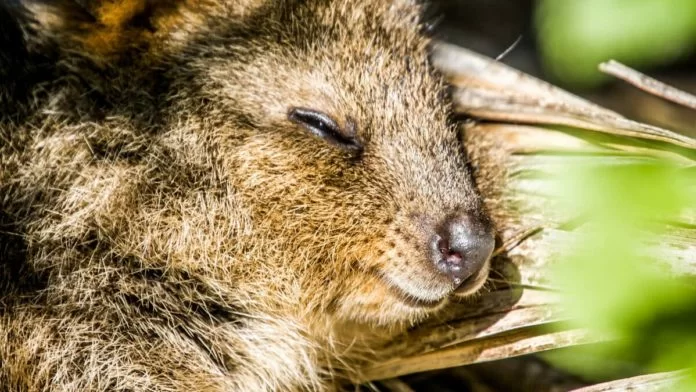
column 461, row 247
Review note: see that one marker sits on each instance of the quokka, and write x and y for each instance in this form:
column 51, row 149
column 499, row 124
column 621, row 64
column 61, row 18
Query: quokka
column 223, row 195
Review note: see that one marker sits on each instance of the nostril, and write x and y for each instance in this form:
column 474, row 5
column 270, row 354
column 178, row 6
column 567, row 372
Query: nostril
column 461, row 247
column 447, row 253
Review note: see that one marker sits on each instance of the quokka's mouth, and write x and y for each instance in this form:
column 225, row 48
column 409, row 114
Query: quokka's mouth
column 435, row 299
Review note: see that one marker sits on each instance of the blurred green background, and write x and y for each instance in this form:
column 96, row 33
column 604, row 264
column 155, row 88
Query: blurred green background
column 614, row 283
column 575, row 35
column 611, row 281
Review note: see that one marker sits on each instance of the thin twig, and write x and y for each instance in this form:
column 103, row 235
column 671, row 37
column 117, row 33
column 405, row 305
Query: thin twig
column 648, row 84
column 509, row 49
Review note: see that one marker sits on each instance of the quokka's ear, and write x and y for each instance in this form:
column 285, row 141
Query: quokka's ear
column 112, row 28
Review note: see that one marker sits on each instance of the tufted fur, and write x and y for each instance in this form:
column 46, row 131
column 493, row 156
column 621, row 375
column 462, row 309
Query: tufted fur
column 163, row 226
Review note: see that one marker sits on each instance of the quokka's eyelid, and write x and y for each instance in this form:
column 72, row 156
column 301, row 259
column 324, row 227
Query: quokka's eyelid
column 324, row 126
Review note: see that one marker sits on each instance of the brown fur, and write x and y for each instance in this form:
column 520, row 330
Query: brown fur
column 164, row 226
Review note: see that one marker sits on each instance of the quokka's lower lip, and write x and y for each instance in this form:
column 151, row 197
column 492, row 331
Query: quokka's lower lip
column 410, row 299
column 420, row 303
column 415, row 301
column 404, row 296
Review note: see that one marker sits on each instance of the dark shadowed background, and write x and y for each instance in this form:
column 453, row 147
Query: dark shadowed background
column 562, row 41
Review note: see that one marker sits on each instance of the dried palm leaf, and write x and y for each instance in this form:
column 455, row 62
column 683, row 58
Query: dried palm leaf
column 516, row 128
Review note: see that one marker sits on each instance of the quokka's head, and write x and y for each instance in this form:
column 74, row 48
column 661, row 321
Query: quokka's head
column 350, row 160
column 335, row 136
